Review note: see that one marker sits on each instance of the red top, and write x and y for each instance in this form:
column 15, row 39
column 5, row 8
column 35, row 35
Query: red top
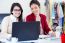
column 44, row 24
column 63, row 38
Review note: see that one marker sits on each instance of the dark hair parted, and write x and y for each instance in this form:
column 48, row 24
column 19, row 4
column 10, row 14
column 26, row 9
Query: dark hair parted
column 12, row 7
column 34, row 2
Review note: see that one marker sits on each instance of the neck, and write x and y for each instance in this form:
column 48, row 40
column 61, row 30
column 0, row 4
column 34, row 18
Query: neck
column 37, row 14
column 17, row 18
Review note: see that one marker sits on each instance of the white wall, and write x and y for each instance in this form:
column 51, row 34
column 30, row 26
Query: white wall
column 57, row 1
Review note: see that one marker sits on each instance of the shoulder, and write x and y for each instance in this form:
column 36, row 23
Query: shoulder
column 5, row 19
column 30, row 15
column 43, row 16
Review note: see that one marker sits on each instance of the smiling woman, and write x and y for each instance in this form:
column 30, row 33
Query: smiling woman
column 37, row 16
column 16, row 16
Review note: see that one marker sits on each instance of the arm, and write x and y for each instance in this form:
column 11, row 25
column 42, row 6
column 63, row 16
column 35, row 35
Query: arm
column 47, row 29
column 4, row 27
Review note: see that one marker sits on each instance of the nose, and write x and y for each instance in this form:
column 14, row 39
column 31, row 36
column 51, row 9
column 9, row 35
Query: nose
column 34, row 10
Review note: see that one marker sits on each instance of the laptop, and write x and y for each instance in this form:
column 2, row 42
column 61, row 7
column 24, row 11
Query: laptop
column 26, row 31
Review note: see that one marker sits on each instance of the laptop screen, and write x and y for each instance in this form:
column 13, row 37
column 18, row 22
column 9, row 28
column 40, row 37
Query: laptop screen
column 26, row 30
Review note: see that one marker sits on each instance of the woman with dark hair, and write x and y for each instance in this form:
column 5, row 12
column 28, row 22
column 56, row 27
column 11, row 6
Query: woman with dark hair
column 37, row 16
column 16, row 16
column 20, row 8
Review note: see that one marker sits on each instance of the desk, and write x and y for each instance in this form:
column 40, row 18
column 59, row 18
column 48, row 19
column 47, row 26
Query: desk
column 43, row 41
column 46, row 40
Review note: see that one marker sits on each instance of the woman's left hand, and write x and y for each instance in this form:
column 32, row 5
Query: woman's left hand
column 51, row 33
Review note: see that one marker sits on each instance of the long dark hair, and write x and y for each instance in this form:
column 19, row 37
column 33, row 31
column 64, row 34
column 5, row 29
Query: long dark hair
column 34, row 2
column 12, row 7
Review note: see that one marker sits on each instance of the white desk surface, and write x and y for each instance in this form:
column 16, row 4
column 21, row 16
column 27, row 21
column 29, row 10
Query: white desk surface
column 46, row 40
column 43, row 41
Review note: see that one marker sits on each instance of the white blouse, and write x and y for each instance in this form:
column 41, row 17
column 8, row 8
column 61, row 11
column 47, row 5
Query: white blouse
column 6, row 25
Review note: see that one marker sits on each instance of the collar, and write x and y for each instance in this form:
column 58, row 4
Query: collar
column 13, row 18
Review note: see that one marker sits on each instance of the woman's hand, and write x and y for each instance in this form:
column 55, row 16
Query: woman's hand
column 51, row 33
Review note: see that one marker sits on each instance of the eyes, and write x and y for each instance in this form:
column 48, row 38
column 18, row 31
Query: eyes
column 16, row 10
column 34, row 8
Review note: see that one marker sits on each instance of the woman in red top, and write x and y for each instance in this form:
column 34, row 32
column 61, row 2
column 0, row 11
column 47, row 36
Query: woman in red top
column 36, row 16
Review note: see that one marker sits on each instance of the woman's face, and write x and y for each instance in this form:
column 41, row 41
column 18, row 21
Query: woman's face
column 35, row 9
column 16, row 11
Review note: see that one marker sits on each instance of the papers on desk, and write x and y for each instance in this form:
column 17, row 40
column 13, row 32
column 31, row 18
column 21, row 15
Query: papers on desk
column 43, row 36
column 48, row 37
